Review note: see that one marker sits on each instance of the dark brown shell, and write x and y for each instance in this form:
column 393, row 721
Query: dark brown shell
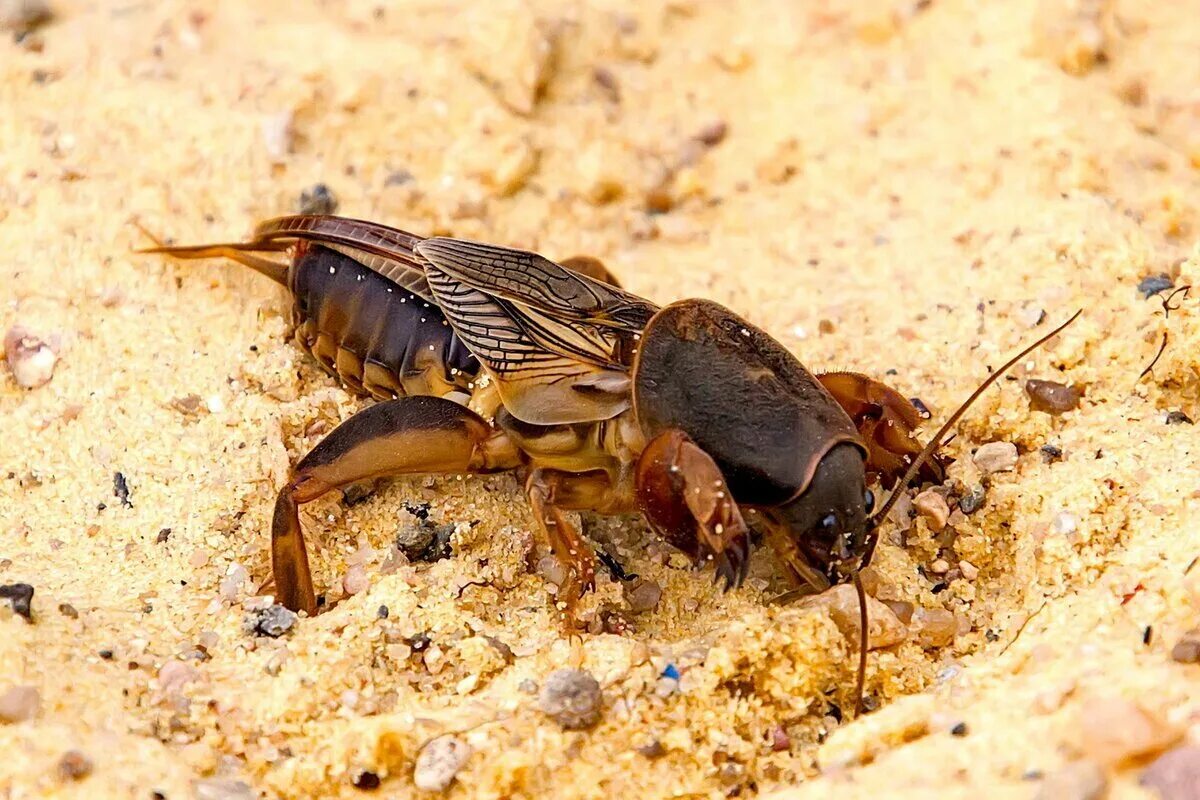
column 741, row 396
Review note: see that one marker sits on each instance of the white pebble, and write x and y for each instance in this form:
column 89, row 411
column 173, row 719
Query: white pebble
column 30, row 359
column 996, row 457
column 1064, row 524
column 278, row 135
column 19, row 704
column 439, row 761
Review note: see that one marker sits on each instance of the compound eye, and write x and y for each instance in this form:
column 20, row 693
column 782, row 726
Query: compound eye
column 869, row 502
column 828, row 523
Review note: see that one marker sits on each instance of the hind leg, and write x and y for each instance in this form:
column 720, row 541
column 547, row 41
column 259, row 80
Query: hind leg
column 413, row 435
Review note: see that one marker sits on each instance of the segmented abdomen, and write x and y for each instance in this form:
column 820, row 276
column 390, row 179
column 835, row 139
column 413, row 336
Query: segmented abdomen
column 378, row 338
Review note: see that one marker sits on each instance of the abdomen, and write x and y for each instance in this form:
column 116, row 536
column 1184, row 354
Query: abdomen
column 376, row 337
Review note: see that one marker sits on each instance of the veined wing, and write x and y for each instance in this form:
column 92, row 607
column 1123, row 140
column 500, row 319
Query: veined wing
column 382, row 249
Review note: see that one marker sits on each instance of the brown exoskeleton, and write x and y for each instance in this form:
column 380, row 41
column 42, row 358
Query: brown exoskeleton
column 487, row 359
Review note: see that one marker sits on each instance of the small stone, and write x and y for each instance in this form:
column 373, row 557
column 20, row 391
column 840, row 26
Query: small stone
column 1052, row 397
column 355, row 580
column 1178, row 418
column 933, row 507
column 1115, row 730
column 996, row 457
column 174, row 675
column 190, row 405
column 318, row 199
column 30, row 359
column 232, row 583
column 780, row 741
column 841, row 603
column 20, row 597
column 1031, row 315
column 424, row 541
column 439, row 761
column 960, row 729
column 973, row 500
column 1051, row 453
column 940, row 566
column 23, row 16
column 1153, row 284
column 365, row 780
column 969, row 571
column 278, row 135
column 121, row 489
column 936, row 627
column 19, row 703
column 642, row 595
column 68, row 610
column 163, row 536
column 652, row 750
column 1079, row 780
column 572, row 697
column 74, row 766
column 1064, row 524
column 222, row 789
column 713, row 133
column 273, row 621
column 1187, row 649
column 1175, row 775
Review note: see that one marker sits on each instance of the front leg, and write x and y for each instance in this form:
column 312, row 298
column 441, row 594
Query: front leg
column 412, row 435
column 683, row 495
column 886, row 422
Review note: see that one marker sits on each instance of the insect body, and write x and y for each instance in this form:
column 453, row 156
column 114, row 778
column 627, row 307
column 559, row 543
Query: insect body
column 489, row 359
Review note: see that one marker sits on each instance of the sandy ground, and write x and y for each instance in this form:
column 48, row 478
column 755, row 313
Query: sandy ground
column 897, row 188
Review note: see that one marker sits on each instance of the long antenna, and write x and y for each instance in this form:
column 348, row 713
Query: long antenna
column 936, row 441
column 862, row 643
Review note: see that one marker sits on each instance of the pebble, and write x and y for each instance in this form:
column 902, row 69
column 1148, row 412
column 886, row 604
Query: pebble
column 841, row 603
column 318, row 199
column 713, row 133
column 1031, row 315
column 273, row 621
column 780, row 741
column 424, row 541
column 19, row 703
column 936, row 627
column 933, row 507
column 74, row 766
column 68, row 610
column 973, row 500
column 20, row 597
column 439, row 761
column 1051, row 396
column 1187, row 649
column 1051, row 453
column 1079, row 780
column 1178, row 418
column 572, row 697
column 652, row 750
column 232, row 583
column 969, row 571
column 222, row 789
column 1175, row 775
column 1064, row 524
column 996, row 457
column 642, row 595
column 355, row 580
column 1115, row 730
column 30, row 359
column 22, row 16
column 278, row 135
column 364, row 779
column 1153, row 284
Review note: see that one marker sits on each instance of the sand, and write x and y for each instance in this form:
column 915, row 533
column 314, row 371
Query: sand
column 907, row 189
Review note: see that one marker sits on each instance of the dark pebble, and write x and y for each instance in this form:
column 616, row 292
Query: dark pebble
column 1051, row 396
column 357, row 493
column 20, row 597
column 652, row 750
column 424, row 541
column 1051, row 453
column 74, row 766
column 714, row 133
column 107, row 655
column 382, row 613
column 121, row 489
column 1148, row 635
column 1153, row 284
column 365, row 779
column 1175, row 775
column 973, row 500
column 419, row 642
column 1178, row 418
column 318, row 199
column 1187, row 649
column 922, row 409
column 572, row 698
column 163, row 535
column 68, row 610
column 273, row 621
column 420, row 511
column 959, row 730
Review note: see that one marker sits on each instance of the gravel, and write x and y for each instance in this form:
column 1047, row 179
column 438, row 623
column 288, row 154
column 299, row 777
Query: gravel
column 933, row 507
column 973, row 500
column 19, row 703
column 572, row 698
column 1175, row 775
column 439, row 761
column 1187, row 649
column 996, row 457
column 1051, row 396
column 31, row 360
column 20, row 597
column 273, row 621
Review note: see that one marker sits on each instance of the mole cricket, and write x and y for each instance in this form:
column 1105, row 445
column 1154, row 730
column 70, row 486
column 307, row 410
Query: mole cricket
column 486, row 359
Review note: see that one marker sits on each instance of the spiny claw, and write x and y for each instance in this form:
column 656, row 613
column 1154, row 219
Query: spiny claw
column 733, row 563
